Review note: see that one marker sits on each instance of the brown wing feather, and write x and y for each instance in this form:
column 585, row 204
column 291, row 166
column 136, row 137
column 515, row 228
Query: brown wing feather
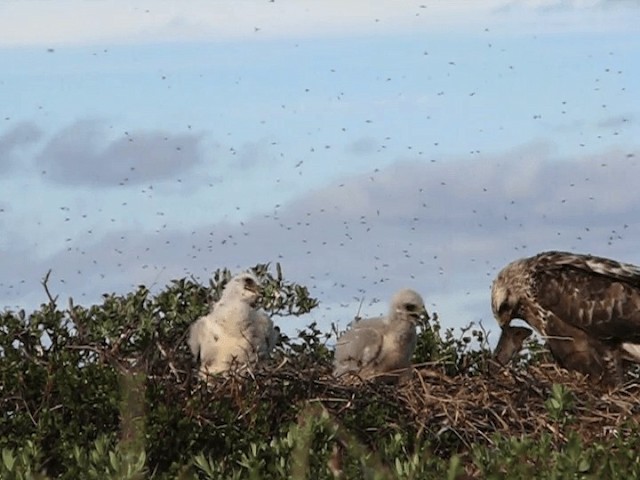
column 591, row 294
column 623, row 272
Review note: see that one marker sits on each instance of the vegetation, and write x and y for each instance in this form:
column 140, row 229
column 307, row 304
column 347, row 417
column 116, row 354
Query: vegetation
column 109, row 392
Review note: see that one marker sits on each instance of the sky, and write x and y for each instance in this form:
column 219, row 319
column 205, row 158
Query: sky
column 366, row 146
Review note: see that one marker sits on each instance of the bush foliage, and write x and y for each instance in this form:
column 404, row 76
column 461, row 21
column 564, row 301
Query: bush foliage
column 110, row 391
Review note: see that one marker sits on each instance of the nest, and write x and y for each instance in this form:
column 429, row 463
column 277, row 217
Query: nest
column 515, row 403
column 455, row 412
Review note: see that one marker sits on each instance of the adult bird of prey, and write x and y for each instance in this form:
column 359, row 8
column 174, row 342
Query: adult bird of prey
column 234, row 333
column 586, row 308
column 377, row 346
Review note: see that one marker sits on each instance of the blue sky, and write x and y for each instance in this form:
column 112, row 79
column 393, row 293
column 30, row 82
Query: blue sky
column 367, row 146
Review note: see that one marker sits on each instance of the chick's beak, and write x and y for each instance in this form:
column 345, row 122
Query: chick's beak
column 420, row 315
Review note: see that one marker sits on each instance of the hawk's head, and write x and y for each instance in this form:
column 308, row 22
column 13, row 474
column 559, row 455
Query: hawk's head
column 508, row 291
column 245, row 287
column 408, row 305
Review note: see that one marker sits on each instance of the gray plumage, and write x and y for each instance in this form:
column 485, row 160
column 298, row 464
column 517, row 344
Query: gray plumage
column 234, row 333
column 374, row 347
column 586, row 308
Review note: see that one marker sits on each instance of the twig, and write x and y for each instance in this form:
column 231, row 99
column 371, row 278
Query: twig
column 163, row 352
column 52, row 300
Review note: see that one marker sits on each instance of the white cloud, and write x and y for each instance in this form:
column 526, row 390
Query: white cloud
column 119, row 21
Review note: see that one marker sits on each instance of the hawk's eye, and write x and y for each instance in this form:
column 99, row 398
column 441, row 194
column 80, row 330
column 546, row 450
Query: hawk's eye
column 249, row 283
column 504, row 306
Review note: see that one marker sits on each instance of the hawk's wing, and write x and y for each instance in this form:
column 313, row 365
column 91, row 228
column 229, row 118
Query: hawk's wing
column 619, row 271
column 265, row 334
column 205, row 340
column 357, row 348
column 598, row 296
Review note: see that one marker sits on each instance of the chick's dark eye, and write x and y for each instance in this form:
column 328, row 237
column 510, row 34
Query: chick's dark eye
column 410, row 307
column 248, row 282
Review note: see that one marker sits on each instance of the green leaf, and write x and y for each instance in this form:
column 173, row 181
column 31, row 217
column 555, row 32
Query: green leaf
column 584, row 465
column 113, row 460
column 399, row 467
column 8, row 459
column 454, row 467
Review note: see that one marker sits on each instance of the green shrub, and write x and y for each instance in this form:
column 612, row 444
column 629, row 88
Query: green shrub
column 110, row 391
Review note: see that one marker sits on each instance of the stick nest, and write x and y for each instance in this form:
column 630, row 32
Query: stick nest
column 454, row 411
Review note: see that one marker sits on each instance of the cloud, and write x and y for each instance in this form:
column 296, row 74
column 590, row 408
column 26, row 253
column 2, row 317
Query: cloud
column 118, row 21
column 578, row 4
column 15, row 139
column 566, row 15
column 363, row 146
column 83, row 154
column 616, row 122
column 551, row 5
column 250, row 154
column 444, row 228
